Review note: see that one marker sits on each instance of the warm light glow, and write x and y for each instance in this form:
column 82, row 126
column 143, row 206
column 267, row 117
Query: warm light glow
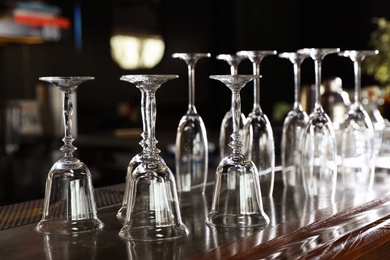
column 137, row 52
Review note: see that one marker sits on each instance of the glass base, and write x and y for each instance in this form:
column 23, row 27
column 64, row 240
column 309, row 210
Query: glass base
column 68, row 226
column 237, row 220
column 147, row 233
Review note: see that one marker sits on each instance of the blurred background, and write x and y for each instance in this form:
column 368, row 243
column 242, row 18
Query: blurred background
column 84, row 38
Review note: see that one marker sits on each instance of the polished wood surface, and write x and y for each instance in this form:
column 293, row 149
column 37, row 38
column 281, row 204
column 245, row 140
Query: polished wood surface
column 346, row 230
column 354, row 227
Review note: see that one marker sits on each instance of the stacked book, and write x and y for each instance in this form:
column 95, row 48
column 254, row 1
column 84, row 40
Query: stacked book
column 32, row 22
column 39, row 15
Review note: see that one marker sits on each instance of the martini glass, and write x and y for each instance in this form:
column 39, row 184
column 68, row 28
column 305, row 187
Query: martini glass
column 227, row 121
column 237, row 201
column 191, row 158
column 258, row 136
column 358, row 142
column 69, row 205
column 153, row 211
column 319, row 158
column 293, row 126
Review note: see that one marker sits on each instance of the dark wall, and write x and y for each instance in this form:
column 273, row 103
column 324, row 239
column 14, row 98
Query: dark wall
column 217, row 26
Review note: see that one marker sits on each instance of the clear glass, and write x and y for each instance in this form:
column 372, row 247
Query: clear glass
column 358, row 139
column 191, row 148
column 372, row 97
column 227, row 121
column 293, row 126
column 319, row 152
column 69, row 204
column 335, row 102
column 153, row 211
column 258, row 135
column 382, row 163
column 137, row 159
column 237, row 201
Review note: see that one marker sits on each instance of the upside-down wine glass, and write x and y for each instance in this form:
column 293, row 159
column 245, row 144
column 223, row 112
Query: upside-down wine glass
column 258, row 136
column 137, row 159
column 69, row 204
column 227, row 121
column 153, row 211
column 237, row 201
column 358, row 142
column 191, row 147
column 319, row 158
column 293, row 126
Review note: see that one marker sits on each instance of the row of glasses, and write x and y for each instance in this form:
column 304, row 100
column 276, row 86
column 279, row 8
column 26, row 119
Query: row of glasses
column 151, row 208
column 314, row 139
column 150, row 203
column 147, row 163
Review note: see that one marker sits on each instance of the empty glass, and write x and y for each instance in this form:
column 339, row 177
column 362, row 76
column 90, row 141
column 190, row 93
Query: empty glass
column 153, row 211
column 319, row 157
column 137, row 159
column 382, row 163
column 227, row 121
column 69, row 205
column 371, row 99
column 191, row 146
column 258, row 136
column 357, row 147
column 237, row 201
column 293, row 126
column 335, row 102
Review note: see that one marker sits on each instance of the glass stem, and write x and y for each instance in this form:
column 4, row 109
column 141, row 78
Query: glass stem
column 256, row 86
column 68, row 147
column 144, row 133
column 297, row 83
column 357, row 68
column 233, row 69
column 236, row 112
column 150, row 111
column 317, row 72
column 191, row 85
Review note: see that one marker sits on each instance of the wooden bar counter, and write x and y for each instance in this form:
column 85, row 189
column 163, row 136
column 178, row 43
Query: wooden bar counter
column 352, row 228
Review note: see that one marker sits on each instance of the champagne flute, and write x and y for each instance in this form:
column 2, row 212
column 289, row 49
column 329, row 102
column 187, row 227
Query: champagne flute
column 319, row 157
column 69, row 205
column 153, row 211
column 358, row 142
column 237, row 201
column 191, row 147
column 227, row 121
column 293, row 126
column 258, row 136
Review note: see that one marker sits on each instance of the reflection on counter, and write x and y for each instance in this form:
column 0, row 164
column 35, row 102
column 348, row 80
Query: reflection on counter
column 299, row 227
